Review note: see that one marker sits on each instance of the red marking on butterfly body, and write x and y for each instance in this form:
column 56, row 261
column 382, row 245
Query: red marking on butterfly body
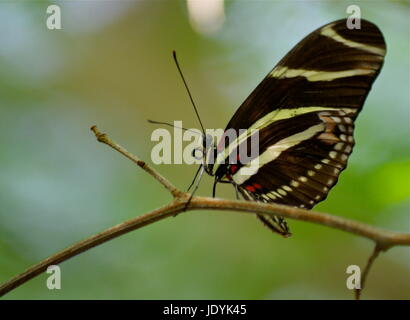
column 253, row 187
column 250, row 188
column 234, row 168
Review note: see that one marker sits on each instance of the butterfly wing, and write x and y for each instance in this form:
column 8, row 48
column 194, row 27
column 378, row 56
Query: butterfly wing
column 304, row 111
column 332, row 66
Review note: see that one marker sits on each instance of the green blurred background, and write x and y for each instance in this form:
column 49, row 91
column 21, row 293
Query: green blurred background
column 111, row 65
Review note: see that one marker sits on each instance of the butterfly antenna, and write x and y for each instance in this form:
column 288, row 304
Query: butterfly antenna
column 187, row 89
column 171, row 125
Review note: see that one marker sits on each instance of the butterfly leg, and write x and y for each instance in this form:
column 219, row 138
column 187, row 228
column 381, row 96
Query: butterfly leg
column 214, row 187
column 236, row 190
column 198, row 177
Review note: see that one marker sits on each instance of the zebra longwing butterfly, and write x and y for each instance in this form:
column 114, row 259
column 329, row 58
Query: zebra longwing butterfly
column 304, row 110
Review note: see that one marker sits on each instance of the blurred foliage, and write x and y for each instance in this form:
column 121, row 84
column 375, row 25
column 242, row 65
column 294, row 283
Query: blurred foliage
column 111, row 65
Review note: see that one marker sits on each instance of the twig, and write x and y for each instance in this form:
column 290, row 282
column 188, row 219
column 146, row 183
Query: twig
column 383, row 238
column 102, row 137
column 377, row 249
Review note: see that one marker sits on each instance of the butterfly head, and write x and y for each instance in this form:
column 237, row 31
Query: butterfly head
column 209, row 152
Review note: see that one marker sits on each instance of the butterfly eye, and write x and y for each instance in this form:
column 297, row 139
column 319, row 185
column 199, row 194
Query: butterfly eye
column 198, row 153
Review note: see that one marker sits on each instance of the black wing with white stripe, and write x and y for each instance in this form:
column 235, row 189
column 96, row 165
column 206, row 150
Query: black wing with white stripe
column 304, row 110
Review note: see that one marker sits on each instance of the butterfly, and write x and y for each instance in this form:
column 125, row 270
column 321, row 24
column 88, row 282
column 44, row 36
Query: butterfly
column 302, row 114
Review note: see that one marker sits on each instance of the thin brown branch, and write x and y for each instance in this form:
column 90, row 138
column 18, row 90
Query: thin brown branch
column 91, row 242
column 376, row 251
column 103, row 138
column 383, row 238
